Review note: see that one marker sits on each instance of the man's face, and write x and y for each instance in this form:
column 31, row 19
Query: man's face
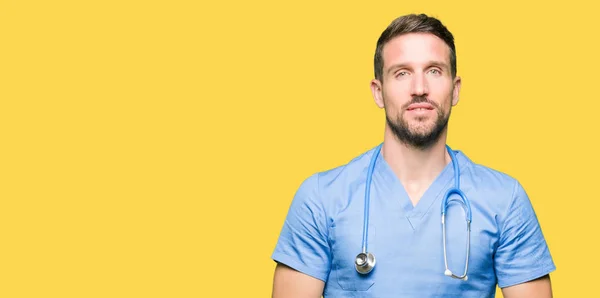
column 417, row 89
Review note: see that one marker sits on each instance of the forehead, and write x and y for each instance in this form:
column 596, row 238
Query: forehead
column 415, row 48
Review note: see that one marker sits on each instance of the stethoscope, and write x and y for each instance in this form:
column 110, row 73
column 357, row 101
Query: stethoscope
column 365, row 261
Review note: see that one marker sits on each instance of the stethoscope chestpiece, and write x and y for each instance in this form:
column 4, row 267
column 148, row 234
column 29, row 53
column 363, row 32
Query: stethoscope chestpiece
column 364, row 262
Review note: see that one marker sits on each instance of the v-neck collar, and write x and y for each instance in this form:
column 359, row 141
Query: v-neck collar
column 396, row 191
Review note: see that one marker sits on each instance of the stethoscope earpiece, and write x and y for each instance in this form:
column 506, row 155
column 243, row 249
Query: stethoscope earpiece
column 450, row 274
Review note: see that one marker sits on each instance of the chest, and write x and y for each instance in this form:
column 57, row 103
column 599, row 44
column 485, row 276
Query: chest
column 409, row 249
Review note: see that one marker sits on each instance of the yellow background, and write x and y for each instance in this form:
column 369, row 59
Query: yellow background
column 152, row 148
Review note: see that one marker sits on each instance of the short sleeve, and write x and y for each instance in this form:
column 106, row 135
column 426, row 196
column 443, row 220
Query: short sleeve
column 522, row 254
column 303, row 241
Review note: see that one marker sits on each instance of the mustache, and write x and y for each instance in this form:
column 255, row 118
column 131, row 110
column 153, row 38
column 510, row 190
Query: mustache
column 420, row 99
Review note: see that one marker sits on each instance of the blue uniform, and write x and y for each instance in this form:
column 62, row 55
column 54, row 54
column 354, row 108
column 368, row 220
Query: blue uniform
column 322, row 233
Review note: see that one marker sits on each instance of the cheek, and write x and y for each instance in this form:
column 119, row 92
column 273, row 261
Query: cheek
column 441, row 86
column 395, row 95
column 441, row 93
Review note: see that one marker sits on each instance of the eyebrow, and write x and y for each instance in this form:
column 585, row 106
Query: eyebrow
column 430, row 63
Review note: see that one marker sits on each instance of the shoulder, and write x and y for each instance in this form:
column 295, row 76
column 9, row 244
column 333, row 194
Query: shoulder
column 492, row 188
column 483, row 177
column 342, row 174
column 346, row 173
column 330, row 185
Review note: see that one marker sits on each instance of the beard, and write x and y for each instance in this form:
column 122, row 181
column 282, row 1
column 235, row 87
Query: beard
column 421, row 136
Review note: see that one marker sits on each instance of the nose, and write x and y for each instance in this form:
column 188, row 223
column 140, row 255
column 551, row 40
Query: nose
column 419, row 85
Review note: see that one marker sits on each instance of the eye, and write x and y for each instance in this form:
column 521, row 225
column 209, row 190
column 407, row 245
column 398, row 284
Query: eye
column 435, row 71
column 401, row 73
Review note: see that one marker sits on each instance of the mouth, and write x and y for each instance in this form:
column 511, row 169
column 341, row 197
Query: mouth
column 420, row 107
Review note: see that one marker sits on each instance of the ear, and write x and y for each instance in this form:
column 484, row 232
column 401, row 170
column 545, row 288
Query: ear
column 377, row 90
column 456, row 90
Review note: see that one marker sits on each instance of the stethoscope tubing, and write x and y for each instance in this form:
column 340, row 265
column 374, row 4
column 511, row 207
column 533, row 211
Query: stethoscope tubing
column 368, row 197
column 455, row 190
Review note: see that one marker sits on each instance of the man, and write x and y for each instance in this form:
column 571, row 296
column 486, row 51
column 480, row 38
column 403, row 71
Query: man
column 407, row 179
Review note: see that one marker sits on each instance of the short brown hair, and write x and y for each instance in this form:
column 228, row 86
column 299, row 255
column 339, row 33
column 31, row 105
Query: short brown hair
column 414, row 23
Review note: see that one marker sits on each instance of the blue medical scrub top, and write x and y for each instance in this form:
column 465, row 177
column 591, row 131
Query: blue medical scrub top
column 322, row 233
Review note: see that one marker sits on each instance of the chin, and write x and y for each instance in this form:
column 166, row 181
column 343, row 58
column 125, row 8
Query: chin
column 421, row 133
column 421, row 127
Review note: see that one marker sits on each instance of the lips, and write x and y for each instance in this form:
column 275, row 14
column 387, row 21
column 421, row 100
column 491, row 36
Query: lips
column 420, row 106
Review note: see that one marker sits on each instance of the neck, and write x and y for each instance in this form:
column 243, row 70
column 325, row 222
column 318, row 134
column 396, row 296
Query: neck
column 415, row 167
